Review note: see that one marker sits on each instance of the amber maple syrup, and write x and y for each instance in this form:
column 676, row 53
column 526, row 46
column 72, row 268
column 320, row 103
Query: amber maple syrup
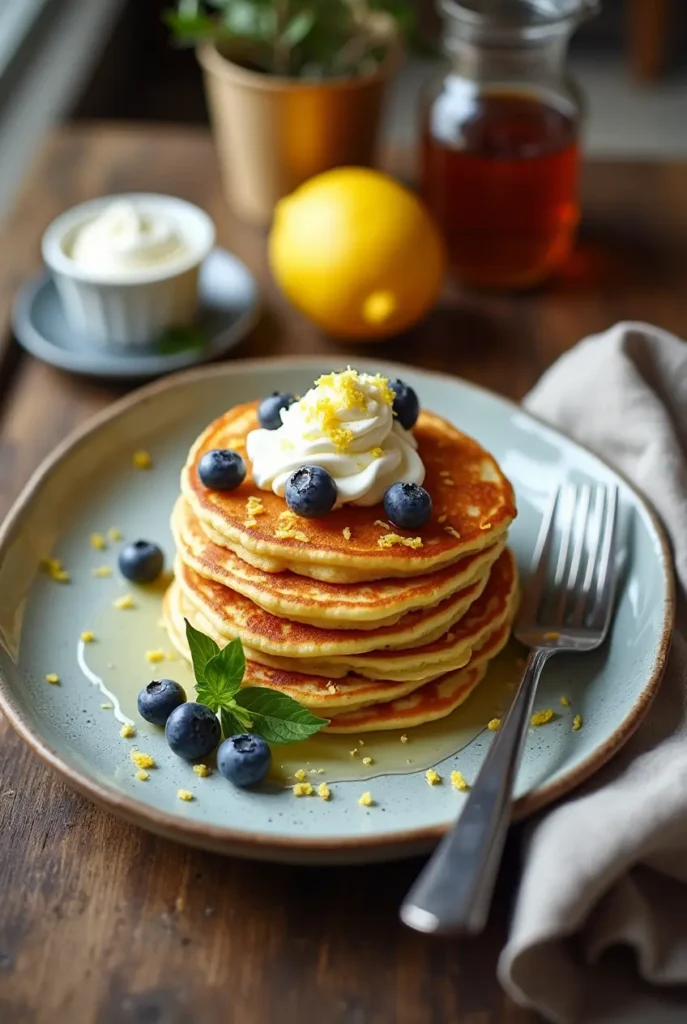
column 116, row 664
column 500, row 173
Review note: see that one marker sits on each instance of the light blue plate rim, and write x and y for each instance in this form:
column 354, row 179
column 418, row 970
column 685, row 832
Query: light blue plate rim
column 99, row 362
column 401, row 843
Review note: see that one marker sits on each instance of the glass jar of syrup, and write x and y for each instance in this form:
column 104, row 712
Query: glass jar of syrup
column 501, row 139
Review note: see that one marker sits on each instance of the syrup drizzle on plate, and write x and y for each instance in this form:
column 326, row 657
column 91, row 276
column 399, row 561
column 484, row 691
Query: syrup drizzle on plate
column 116, row 663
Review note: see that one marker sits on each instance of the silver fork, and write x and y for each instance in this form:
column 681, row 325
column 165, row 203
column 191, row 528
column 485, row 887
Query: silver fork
column 567, row 606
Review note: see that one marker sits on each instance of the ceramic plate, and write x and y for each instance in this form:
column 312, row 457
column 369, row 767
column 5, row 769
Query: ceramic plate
column 227, row 311
column 90, row 484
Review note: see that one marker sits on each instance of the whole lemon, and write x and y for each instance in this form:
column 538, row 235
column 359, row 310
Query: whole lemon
column 357, row 253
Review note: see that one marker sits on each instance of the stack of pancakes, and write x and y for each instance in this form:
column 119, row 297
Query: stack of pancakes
column 367, row 625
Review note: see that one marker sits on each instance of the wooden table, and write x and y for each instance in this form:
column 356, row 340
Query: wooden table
column 100, row 922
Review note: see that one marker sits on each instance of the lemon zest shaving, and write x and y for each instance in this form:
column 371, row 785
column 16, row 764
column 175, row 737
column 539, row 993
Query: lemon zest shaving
column 389, row 539
column 458, row 781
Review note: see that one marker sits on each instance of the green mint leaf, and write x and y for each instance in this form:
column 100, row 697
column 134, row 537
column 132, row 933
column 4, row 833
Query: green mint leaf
column 230, row 723
column 241, row 714
column 203, row 649
column 277, row 717
column 179, row 339
column 225, row 670
column 218, row 672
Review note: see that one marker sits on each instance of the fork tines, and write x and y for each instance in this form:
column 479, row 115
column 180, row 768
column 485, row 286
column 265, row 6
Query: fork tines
column 572, row 580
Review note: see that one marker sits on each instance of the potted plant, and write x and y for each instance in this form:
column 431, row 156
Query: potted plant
column 294, row 87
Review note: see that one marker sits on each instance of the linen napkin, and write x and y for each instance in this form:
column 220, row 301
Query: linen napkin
column 599, row 932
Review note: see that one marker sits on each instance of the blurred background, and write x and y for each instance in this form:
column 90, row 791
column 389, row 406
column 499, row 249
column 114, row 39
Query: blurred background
column 111, row 59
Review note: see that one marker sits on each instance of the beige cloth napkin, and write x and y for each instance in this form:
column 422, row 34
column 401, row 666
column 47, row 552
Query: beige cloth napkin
column 600, row 925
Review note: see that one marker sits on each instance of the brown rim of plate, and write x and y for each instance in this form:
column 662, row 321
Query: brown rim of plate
column 220, row 839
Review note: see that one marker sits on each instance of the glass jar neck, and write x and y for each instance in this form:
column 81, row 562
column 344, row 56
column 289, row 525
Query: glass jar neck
column 495, row 61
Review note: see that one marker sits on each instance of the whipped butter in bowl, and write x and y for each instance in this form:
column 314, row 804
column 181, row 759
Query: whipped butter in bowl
column 126, row 267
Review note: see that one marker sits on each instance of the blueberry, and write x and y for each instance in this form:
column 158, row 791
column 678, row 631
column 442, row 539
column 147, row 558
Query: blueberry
column 270, row 409
column 158, row 699
column 406, row 404
column 310, row 492
column 141, row 562
column 407, row 506
column 221, row 470
column 244, row 759
column 193, row 730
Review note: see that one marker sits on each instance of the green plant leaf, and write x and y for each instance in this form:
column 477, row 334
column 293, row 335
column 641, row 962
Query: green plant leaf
column 277, row 717
column 256, row 22
column 241, row 714
column 271, row 714
column 231, row 725
column 190, row 29
column 301, row 38
column 203, row 649
column 179, row 339
column 298, row 28
column 225, row 670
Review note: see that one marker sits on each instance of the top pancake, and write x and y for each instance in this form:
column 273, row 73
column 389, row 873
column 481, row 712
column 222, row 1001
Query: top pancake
column 470, row 495
column 354, row 606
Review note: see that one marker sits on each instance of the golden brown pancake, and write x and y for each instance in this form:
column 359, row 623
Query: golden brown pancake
column 337, row 699
column 429, row 702
column 473, row 505
column 350, row 606
column 319, row 693
column 492, row 611
column 495, row 606
column 233, row 615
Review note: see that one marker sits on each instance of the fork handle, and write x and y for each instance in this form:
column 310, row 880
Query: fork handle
column 453, row 893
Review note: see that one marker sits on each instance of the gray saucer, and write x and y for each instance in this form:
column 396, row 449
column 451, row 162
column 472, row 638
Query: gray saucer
column 227, row 310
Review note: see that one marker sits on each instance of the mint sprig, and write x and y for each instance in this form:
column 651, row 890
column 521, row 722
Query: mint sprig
column 271, row 714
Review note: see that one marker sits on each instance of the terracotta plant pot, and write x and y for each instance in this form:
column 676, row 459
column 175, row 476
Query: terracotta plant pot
column 273, row 133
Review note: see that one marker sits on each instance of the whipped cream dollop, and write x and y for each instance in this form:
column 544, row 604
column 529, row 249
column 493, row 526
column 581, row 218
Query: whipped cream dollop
column 125, row 238
column 346, row 425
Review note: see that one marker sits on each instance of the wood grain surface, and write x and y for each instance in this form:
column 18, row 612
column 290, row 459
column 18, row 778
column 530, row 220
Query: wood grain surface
column 102, row 923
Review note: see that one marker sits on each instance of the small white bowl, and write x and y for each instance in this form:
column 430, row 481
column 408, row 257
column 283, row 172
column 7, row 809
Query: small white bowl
column 133, row 307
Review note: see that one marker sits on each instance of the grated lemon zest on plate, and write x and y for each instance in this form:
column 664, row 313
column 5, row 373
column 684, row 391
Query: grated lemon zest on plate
column 303, row 789
column 55, row 570
column 458, row 781
column 142, row 760
column 141, row 459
